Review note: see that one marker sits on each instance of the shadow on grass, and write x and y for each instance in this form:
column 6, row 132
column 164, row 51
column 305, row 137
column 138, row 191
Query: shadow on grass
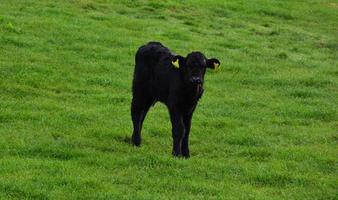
column 122, row 139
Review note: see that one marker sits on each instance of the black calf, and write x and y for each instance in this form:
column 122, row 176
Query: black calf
column 173, row 80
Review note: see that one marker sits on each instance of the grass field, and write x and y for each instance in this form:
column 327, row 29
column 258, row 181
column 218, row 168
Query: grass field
column 266, row 127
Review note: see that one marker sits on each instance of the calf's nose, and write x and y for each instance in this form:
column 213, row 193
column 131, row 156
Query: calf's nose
column 195, row 80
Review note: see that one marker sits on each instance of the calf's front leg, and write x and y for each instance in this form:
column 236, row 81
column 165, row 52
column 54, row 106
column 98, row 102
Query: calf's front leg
column 185, row 140
column 178, row 130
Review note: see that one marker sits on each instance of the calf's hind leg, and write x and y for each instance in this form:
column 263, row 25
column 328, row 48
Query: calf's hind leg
column 139, row 109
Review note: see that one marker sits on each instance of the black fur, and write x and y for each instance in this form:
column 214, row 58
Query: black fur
column 157, row 79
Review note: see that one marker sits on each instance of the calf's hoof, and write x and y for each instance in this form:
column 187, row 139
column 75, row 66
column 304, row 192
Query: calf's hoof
column 176, row 154
column 136, row 140
column 186, row 155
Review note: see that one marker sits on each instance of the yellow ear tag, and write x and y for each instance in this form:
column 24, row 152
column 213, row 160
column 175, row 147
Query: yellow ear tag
column 175, row 63
column 216, row 65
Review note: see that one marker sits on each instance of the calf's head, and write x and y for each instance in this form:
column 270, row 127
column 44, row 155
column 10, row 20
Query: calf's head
column 194, row 66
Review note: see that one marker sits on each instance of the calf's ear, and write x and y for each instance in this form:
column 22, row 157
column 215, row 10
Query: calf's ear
column 178, row 61
column 213, row 63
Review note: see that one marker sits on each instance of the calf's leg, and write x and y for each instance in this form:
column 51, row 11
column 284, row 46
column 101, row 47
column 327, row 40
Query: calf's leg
column 139, row 109
column 185, row 141
column 177, row 130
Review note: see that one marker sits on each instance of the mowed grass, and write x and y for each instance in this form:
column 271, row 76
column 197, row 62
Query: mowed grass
column 266, row 127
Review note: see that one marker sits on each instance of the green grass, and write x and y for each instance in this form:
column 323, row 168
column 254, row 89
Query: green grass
column 266, row 127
